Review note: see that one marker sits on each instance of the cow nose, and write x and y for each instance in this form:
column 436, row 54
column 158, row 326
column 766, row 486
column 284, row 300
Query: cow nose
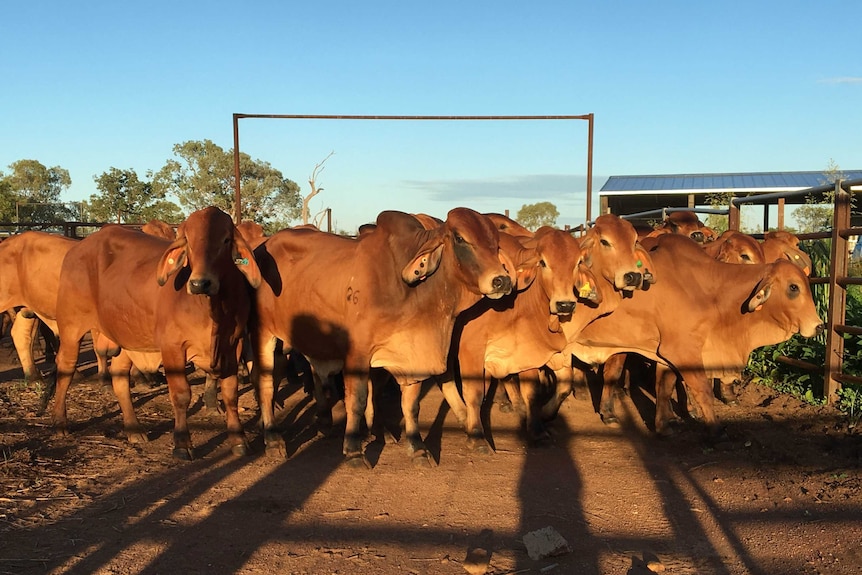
column 565, row 307
column 820, row 328
column 648, row 278
column 202, row 286
column 698, row 237
column 632, row 279
column 502, row 284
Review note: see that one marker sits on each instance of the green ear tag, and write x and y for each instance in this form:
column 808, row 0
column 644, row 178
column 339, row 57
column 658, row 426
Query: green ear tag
column 241, row 261
column 640, row 264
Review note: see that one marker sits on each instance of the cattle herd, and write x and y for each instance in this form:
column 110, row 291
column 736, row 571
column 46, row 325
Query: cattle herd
column 461, row 301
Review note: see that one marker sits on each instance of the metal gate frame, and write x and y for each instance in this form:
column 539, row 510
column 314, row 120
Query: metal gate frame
column 237, row 117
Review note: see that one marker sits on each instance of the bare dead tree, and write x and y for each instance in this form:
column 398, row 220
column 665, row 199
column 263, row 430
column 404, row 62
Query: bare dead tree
column 312, row 181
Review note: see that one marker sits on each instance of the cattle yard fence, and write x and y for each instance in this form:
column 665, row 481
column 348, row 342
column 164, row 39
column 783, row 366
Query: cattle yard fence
column 838, row 279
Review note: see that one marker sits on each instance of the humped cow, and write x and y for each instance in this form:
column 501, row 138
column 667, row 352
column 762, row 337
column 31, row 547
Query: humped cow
column 388, row 300
column 160, row 302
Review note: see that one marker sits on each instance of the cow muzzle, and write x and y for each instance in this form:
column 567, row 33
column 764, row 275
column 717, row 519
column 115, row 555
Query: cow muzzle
column 633, row 279
column 564, row 307
column 203, row 286
column 500, row 286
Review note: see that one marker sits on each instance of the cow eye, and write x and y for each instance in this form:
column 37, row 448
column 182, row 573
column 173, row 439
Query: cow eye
column 460, row 239
column 606, row 243
column 745, row 257
column 543, row 264
column 794, row 288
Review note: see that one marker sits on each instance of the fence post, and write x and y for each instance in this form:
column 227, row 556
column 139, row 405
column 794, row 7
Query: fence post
column 837, row 294
column 733, row 216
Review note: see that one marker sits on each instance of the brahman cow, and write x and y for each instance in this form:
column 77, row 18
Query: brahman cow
column 687, row 224
column 160, row 302
column 388, row 299
column 494, row 339
column 30, row 277
column 702, row 317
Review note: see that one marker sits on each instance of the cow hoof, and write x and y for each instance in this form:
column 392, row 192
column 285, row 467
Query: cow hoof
column 611, row 420
column 422, row 459
column 357, row 461
column 479, row 446
column 506, row 407
column 137, row 437
column 183, row 453
column 240, row 449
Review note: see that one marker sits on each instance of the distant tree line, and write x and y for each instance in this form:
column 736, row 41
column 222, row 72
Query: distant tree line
column 200, row 174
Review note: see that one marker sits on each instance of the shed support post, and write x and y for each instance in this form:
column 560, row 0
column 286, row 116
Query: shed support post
column 837, row 295
column 733, row 216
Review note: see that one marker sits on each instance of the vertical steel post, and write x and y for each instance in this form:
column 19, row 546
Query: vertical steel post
column 837, row 295
column 236, row 186
column 781, row 202
column 589, row 168
column 733, row 216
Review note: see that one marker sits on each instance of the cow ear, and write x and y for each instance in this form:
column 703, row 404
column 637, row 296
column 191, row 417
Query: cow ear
column 759, row 295
column 646, row 265
column 586, row 284
column 172, row 260
column 527, row 273
column 243, row 257
column 424, row 264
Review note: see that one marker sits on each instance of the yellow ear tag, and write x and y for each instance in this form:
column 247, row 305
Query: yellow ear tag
column 171, row 261
column 585, row 290
column 758, row 308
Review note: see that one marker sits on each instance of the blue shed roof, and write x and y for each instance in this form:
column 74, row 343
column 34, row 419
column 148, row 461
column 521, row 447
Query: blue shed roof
column 749, row 181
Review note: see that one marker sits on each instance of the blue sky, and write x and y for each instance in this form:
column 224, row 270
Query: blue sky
column 676, row 87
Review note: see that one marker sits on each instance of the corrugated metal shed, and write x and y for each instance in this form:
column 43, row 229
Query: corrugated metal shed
column 745, row 182
column 624, row 195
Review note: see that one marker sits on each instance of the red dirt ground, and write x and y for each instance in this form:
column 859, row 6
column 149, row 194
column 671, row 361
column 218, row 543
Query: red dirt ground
column 781, row 496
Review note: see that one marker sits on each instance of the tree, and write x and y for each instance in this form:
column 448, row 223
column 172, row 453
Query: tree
column 124, row 198
column 37, row 190
column 814, row 216
column 534, row 216
column 204, row 176
column 312, row 181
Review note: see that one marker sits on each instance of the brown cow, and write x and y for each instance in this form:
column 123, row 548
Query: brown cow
column 159, row 229
column 785, row 245
column 169, row 302
column 734, row 247
column 687, row 224
column 708, row 320
column 494, row 339
column 388, row 299
column 621, row 266
column 30, row 277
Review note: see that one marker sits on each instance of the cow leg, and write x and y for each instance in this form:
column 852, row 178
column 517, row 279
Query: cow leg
column 230, row 396
column 727, row 393
column 67, row 357
column 119, row 372
column 180, row 393
column 566, row 378
column 355, row 400
column 449, row 388
column 530, row 385
column 473, row 388
column 665, row 382
column 612, row 374
column 23, row 333
column 701, row 392
column 210, row 394
column 410, row 410
column 263, row 368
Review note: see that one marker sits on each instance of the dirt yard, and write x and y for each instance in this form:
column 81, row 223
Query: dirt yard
column 781, row 496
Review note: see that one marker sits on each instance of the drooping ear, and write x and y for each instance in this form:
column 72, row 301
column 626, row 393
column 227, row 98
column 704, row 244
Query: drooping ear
column 425, row 263
column 646, row 266
column 587, row 284
column 527, row 273
column 759, row 295
column 243, row 257
column 172, row 260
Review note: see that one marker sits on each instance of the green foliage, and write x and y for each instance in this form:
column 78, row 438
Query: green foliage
column 31, row 193
column 534, row 216
column 124, row 198
column 204, row 175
